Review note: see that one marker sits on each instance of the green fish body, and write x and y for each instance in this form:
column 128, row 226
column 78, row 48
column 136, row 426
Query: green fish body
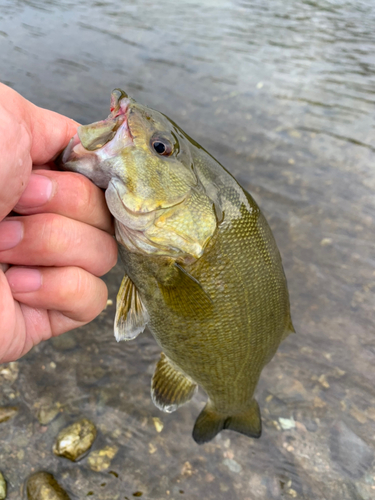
column 202, row 268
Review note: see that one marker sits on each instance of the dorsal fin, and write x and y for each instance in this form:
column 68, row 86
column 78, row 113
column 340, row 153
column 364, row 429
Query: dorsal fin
column 170, row 388
column 131, row 315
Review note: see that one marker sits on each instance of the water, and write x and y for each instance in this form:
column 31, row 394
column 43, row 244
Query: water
column 283, row 94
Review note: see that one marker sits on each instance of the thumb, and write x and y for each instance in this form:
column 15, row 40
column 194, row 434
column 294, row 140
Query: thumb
column 28, row 135
column 50, row 133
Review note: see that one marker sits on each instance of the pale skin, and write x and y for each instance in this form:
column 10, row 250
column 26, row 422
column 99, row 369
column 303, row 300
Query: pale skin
column 58, row 243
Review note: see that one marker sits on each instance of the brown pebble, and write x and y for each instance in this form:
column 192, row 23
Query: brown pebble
column 43, row 486
column 100, row 460
column 74, row 441
column 7, row 412
column 3, row 487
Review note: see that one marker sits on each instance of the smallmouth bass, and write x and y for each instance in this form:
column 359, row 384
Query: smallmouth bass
column 202, row 268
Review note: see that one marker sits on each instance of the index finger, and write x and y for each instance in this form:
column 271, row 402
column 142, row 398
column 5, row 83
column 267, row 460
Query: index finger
column 69, row 194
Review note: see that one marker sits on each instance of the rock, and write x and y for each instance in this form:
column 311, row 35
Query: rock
column 349, row 451
column 232, row 465
column 9, row 372
column 43, row 486
column 74, row 441
column 287, row 423
column 3, row 487
column 7, row 412
column 47, row 413
column 100, row 460
column 158, row 424
column 89, row 373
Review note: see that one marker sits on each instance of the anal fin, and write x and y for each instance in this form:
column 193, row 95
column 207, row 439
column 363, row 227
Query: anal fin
column 131, row 315
column 209, row 423
column 170, row 388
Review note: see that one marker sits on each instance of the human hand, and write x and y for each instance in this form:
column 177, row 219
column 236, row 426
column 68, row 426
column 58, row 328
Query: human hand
column 61, row 241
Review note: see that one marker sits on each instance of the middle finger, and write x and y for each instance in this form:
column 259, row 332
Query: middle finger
column 55, row 240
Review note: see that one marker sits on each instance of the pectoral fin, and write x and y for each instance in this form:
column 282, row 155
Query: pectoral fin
column 186, row 295
column 210, row 422
column 170, row 388
column 131, row 315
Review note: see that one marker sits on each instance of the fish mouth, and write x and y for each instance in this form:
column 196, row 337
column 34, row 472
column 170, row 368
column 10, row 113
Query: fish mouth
column 96, row 138
column 67, row 153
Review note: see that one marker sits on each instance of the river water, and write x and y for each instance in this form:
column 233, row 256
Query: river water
column 282, row 93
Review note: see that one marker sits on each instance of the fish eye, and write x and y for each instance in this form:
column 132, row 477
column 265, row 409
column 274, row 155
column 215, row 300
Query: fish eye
column 162, row 146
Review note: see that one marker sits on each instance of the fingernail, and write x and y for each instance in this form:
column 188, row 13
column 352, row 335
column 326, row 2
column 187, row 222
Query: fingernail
column 22, row 279
column 11, row 233
column 38, row 191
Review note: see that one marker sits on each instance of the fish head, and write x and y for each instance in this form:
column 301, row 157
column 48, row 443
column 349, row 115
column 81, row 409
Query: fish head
column 144, row 162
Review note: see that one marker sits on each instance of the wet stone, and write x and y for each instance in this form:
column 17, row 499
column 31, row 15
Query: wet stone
column 3, row 487
column 287, row 423
column 100, row 460
column 7, row 412
column 232, row 465
column 43, row 486
column 47, row 413
column 74, row 441
column 89, row 374
column 9, row 373
column 349, row 451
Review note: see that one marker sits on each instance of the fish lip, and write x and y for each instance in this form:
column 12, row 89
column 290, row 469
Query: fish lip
column 123, row 110
column 65, row 156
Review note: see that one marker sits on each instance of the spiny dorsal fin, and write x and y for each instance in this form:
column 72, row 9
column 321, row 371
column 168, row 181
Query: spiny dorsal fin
column 131, row 315
column 169, row 387
column 210, row 422
column 187, row 296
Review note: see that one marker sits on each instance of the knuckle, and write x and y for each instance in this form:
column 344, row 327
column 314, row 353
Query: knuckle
column 75, row 287
column 53, row 235
column 88, row 295
column 109, row 255
column 84, row 193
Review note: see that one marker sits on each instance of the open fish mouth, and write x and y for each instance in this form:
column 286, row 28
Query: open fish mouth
column 96, row 136
column 97, row 142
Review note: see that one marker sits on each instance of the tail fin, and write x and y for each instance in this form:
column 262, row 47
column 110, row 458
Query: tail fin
column 209, row 423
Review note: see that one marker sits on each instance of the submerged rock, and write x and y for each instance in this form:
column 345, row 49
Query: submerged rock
column 9, row 373
column 349, row 451
column 43, row 486
column 101, row 459
column 47, row 413
column 74, row 441
column 7, row 412
column 3, row 487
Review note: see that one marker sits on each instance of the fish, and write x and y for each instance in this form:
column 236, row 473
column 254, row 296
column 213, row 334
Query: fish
column 202, row 268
